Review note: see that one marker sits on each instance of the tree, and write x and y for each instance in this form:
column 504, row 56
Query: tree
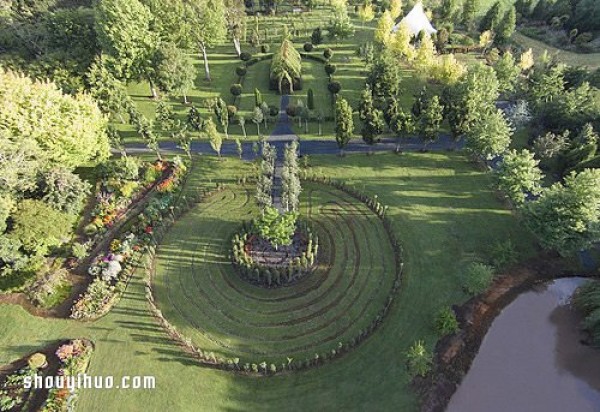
column 507, row 72
column 316, row 37
column 506, row 27
column 400, row 44
column 366, row 12
column 403, row 125
column 492, row 18
column 235, row 16
column 110, row 94
column 448, row 10
column 395, row 8
column 430, row 120
column 20, row 162
column 344, row 123
column 340, row 26
column 372, row 118
column 69, row 130
column 384, row 76
column 184, row 140
column 167, row 19
column 215, row 138
column 208, row 27
column 290, row 181
column 39, row 227
column 174, row 72
column 277, row 228
column 194, row 119
column 472, row 97
column 566, row 217
column 242, row 122
column 489, row 136
column 526, row 60
column 519, row 175
column 123, row 30
column 383, row 33
column 310, row 100
column 222, row 114
column 425, row 55
column 257, row 118
column 164, row 116
column 469, row 12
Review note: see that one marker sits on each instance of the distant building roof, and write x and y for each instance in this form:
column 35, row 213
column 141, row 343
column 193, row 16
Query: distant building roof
column 416, row 21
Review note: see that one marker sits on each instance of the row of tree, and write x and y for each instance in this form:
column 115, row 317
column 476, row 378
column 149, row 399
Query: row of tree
column 290, row 195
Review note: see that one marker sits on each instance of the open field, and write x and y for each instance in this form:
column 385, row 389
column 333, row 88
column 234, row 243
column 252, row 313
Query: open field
column 443, row 212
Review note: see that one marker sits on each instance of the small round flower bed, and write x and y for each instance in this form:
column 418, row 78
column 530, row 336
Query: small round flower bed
column 260, row 263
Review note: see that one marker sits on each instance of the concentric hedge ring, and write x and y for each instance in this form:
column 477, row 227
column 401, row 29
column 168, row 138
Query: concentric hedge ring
column 198, row 291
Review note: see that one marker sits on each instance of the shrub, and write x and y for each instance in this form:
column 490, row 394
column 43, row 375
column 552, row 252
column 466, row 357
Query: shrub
column 127, row 168
column 418, row 359
column 241, row 71
column 64, row 190
column 245, row 56
column 236, row 89
column 328, row 53
column 39, row 227
column 330, row 69
column 265, row 48
column 308, row 47
column 445, row 322
column 503, row 253
column 478, row 278
column 273, row 110
column 37, row 361
column 79, row 250
column 316, row 37
column 232, row 111
column 334, row 87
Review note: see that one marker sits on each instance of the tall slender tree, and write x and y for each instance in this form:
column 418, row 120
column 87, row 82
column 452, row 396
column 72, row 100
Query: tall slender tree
column 344, row 123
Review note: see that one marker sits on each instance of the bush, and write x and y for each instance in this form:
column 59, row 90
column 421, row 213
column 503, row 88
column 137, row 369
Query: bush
column 445, row 322
column 64, row 190
column 418, row 359
column 273, row 110
column 245, row 56
column 316, row 37
column 328, row 53
column 334, row 87
column 265, row 48
column 127, row 168
column 79, row 250
column 37, row 361
column 39, row 227
column 478, row 277
column 236, row 89
column 330, row 69
column 231, row 111
column 241, row 71
column 308, row 47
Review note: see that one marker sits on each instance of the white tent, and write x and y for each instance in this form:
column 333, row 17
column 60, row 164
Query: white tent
column 416, row 21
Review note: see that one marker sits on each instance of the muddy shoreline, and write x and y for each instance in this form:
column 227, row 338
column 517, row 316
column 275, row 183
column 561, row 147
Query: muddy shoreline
column 454, row 354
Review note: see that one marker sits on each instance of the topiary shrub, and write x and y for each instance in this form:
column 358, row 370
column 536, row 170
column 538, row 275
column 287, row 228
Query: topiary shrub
column 308, row 47
column 330, row 69
column 418, row 359
column 334, row 87
column 328, row 53
column 245, row 56
column 236, row 89
column 265, row 48
column 231, row 111
column 241, row 71
column 478, row 278
column 273, row 110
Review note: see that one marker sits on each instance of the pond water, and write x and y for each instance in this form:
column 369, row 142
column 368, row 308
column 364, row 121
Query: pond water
column 532, row 360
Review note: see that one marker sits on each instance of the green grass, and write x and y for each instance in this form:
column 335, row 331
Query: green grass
column 443, row 211
column 198, row 290
column 591, row 60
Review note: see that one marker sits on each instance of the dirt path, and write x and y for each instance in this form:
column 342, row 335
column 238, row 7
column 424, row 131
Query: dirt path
column 454, row 354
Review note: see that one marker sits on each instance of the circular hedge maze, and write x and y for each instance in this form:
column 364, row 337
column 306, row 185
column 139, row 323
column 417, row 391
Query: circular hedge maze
column 326, row 313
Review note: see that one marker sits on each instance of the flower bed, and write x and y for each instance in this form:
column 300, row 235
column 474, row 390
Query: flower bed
column 13, row 395
column 259, row 263
column 112, row 269
column 74, row 357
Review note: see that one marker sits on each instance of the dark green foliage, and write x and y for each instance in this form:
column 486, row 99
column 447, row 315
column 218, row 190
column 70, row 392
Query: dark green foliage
column 265, row 48
column 492, row 18
column 328, row 53
column 445, row 322
column 194, row 119
column 334, row 87
column 38, row 226
column 316, row 37
column 384, row 76
column 245, row 56
column 330, row 69
column 308, row 47
column 241, row 71
column 507, row 27
column 344, row 123
column 63, row 190
column 236, row 89
column 587, row 300
column 310, row 100
column 371, row 117
column 430, row 119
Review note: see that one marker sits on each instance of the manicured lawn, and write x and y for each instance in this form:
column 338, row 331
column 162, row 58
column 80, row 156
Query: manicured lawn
column 443, row 212
column 200, row 292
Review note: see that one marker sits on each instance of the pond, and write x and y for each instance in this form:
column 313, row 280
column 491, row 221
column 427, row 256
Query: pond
column 532, row 359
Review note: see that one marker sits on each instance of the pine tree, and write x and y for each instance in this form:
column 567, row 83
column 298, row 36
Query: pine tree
column 371, row 117
column 383, row 33
column 469, row 13
column 430, row 120
column 492, row 18
column 507, row 27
